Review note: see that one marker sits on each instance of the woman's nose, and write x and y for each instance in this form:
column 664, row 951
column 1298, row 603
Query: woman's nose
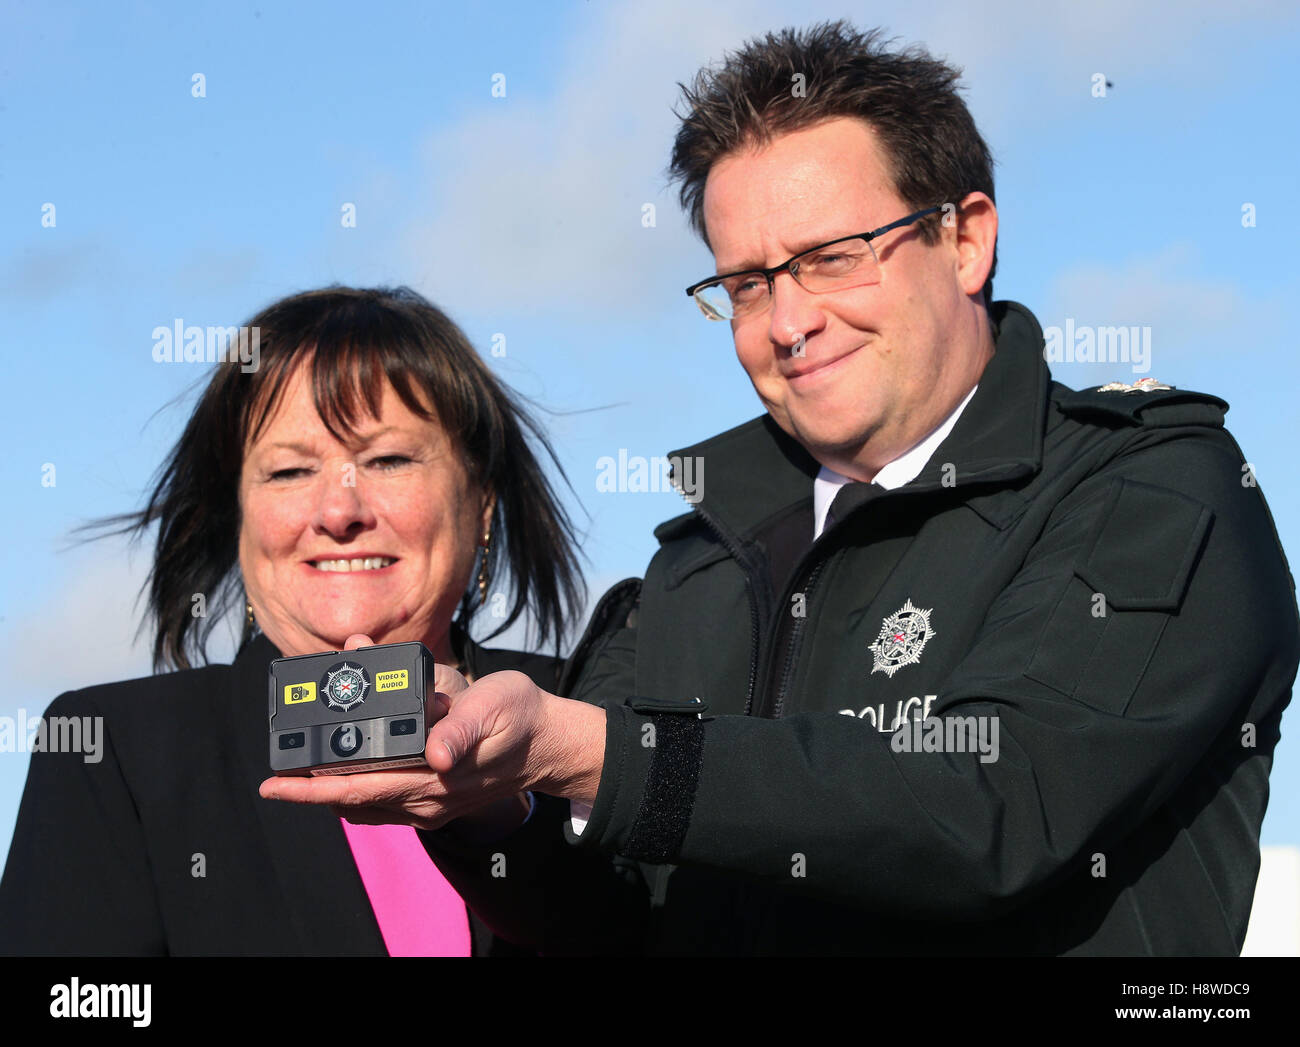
column 341, row 507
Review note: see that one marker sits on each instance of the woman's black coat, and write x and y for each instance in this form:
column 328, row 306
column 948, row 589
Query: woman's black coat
column 164, row 846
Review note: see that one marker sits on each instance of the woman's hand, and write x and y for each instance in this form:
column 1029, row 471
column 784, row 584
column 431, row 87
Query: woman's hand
column 491, row 741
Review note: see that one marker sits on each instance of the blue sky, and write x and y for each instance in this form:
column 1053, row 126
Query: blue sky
column 522, row 215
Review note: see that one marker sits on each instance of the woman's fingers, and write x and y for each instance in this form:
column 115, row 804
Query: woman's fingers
column 448, row 680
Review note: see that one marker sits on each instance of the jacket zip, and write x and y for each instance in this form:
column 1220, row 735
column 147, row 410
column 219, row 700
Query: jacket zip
column 810, row 583
column 750, row 576
column 796, row 631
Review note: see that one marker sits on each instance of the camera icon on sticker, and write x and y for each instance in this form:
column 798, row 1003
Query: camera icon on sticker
column 297, row 693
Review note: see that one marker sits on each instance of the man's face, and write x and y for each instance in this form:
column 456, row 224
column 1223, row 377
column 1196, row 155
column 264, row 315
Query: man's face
column 879, row 366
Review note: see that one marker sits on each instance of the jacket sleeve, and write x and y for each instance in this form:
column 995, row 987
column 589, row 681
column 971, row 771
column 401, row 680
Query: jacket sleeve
column 1101, row 718
column 78, row 840
column 533, row 888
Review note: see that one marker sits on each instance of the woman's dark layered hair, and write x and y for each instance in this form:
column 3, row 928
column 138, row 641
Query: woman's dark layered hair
column 354, row 340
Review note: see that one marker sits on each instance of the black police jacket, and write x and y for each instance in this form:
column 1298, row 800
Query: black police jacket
column 1083, row 590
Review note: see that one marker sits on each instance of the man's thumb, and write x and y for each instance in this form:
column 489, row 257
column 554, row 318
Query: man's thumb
column 450, row 739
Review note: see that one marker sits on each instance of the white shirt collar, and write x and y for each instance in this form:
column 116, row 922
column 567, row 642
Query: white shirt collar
column 902, row 470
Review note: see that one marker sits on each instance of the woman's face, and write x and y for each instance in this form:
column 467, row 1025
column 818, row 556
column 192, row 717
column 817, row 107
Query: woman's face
column 377, row 536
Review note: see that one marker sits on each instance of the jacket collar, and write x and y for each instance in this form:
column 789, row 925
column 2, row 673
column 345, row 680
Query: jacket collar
column 756, row 472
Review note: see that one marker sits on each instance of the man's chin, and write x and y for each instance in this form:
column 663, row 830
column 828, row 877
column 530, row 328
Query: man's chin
column 837, row 447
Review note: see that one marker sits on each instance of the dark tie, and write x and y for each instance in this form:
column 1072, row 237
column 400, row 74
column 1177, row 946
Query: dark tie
column 848, row 498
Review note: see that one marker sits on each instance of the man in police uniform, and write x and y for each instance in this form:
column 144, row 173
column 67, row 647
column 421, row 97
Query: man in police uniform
column 948, row 658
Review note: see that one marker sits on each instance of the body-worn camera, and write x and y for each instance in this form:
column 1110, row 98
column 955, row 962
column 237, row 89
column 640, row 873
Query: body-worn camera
column 347, row 711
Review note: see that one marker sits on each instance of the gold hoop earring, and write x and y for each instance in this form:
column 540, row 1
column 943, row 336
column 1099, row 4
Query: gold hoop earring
column 483, row 573
column 250, row 612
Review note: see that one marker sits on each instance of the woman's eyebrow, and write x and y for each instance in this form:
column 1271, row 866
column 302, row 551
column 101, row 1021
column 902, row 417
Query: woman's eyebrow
column 363, row 439
column 292, row 445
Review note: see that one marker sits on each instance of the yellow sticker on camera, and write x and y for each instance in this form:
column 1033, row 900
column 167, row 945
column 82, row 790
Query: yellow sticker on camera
column 394, row 680
column 297, row 693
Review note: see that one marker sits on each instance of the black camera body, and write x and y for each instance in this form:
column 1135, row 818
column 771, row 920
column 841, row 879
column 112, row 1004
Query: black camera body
column 345, row 711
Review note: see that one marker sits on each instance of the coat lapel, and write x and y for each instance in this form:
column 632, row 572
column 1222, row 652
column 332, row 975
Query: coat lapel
column 324, row 899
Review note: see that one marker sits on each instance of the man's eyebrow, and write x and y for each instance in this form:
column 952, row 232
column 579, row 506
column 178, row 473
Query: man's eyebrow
column 801, row 245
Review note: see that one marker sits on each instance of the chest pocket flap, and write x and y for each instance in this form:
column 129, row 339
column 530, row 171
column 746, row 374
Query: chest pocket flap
column 1131, row 576
column 1145, row 547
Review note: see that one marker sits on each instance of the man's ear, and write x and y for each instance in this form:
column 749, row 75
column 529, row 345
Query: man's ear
column 977, row 235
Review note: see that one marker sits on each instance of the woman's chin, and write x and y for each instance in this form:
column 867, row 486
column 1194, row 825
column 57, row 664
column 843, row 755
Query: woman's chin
column 332, row 634
column 294, row 642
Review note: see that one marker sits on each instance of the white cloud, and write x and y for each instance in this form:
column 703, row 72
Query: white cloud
column 1155, row 289
column 547, row 193
column 83, row 632
column 1190, row 317
column 1019, row 59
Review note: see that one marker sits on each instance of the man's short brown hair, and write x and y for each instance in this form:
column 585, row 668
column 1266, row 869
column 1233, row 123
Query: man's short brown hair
column 933, row 148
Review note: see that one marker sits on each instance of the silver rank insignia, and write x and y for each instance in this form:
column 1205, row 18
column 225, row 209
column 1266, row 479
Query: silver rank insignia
column 345, row 685
column 1142, row 385
column 903, row 635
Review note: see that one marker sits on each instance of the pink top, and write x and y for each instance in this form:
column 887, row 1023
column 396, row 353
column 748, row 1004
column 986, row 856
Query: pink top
column 419, row 912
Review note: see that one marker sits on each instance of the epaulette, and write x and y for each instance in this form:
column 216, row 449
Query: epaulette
column 1146, row 402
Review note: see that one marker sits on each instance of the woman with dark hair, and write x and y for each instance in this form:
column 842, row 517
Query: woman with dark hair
column 368, row 477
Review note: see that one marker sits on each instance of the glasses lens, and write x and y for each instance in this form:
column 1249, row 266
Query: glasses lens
column 735, row 296
column 714, row 302
column 849, row 263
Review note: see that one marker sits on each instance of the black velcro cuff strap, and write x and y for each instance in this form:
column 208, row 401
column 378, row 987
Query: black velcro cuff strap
column 669, row 796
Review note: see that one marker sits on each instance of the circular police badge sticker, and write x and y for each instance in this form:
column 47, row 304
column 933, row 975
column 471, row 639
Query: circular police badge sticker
column 345, row 684
column 903, row 635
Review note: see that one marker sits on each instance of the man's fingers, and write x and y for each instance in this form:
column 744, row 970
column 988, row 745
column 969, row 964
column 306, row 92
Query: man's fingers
column 354, row 790
column 365, row 815
column 357, row 640
column 431, row 817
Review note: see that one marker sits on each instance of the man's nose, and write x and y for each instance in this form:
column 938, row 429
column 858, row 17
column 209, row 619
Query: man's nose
column 341, row 506
column 794, row 313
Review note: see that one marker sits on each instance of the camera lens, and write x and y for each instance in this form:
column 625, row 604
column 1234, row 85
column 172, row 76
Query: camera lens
column 346, row 740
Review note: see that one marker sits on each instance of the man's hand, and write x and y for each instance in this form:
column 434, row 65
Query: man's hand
column 491, row 741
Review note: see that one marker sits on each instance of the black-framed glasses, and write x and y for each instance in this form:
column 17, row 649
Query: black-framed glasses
column 853, row 264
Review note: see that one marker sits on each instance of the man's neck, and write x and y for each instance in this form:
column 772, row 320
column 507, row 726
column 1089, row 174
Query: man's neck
column 901, row 470
column 869, row 462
